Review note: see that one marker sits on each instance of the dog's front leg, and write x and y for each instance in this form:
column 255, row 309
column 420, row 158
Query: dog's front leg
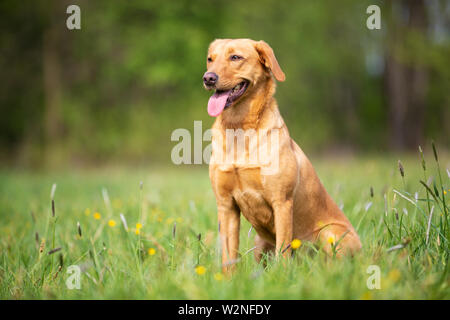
column 229, row 224
column 283, row 212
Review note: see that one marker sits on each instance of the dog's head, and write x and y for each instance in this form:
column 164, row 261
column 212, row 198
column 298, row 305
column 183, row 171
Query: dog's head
column 234, row 68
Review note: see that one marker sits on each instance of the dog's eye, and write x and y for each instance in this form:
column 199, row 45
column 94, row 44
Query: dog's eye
column 209, row 59
column 236, row 57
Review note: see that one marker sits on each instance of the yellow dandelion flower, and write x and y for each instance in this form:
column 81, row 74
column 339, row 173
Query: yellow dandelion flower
column 394, row 275
column 111, row 223
column 170, row 220
column 97, row 216
column 445, row 192
column 159, row 219
column 331, row 240
column 367, row 296
column 87, row 211
column 295, row 244
column 137, row 231
column 218, row 276
column 200, row 270
column 151, row 251
column 138, row 225
column 179, row 220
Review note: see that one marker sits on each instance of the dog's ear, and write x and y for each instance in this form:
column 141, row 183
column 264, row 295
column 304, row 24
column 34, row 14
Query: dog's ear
column 267, row 58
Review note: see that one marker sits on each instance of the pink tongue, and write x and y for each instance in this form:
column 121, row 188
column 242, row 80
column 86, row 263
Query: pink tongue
column 217, row 102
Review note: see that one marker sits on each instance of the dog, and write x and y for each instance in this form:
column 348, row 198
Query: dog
column 284, row 204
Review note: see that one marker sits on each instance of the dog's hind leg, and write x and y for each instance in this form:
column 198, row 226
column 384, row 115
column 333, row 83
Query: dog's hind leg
column 263, row 247
column 339, row 240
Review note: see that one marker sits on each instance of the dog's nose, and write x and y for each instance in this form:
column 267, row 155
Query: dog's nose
column 210, row 78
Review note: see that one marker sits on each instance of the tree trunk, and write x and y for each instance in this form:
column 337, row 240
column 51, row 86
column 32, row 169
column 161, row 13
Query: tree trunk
column 52, row 77
column 406, row 79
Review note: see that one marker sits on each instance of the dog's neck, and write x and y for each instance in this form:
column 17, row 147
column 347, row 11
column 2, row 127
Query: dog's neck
column 247, row 113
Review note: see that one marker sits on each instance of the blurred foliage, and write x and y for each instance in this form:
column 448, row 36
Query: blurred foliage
column 133, row 74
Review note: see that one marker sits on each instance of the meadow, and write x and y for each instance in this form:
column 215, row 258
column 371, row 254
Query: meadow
column 151, row 233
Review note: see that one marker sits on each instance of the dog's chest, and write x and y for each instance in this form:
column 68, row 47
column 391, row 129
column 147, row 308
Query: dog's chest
column 248, row 192
column 254, row 208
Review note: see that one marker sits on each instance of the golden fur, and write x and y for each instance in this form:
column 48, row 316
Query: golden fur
column 290, row 204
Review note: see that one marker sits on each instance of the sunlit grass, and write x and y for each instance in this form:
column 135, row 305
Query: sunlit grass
column 152, row 233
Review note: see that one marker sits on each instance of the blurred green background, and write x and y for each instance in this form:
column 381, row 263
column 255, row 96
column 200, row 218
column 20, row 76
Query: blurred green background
column 114, row 91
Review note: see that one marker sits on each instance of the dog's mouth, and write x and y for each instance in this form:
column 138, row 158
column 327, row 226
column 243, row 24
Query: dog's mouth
column 222, row 99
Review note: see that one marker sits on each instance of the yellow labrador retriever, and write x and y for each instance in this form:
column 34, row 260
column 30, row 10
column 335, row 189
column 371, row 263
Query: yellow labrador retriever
column 277, row 191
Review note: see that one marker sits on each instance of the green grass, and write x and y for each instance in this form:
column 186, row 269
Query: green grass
column 116, row 264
